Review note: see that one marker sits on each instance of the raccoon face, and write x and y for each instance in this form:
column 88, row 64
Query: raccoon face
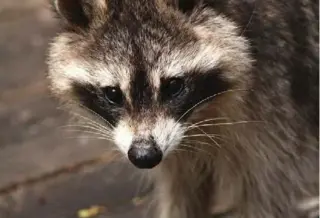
column 145, row 67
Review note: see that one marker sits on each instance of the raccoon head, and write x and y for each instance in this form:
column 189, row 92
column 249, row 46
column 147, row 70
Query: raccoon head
column 146, row 67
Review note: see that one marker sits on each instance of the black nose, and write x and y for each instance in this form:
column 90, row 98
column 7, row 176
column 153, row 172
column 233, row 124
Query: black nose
column 145, row 156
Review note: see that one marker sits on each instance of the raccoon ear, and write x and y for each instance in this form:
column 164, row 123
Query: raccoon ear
column 81, row 13
column 73, row 12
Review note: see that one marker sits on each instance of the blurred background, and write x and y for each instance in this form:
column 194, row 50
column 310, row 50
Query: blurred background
column 44, row 174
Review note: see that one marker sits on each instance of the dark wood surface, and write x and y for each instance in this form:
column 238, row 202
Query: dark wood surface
column 42, row 173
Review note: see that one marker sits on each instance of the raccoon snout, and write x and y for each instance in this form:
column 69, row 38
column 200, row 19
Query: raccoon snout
column 145, row 155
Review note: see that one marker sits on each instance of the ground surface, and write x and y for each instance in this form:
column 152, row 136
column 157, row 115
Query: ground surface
column 42, row 173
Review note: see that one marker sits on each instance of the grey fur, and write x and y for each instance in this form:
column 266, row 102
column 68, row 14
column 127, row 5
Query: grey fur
column 267, row 49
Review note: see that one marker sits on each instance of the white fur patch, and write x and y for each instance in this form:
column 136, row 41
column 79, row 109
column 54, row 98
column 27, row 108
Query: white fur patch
column 80, row 72
column 123, row 136
column 178, row 62
column 76, row 71
column 167, row 133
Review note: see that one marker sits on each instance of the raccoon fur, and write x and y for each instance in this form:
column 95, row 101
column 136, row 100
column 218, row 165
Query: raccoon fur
column 216, row 100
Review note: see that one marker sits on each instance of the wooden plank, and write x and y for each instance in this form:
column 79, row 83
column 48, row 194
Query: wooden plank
column 62, row 197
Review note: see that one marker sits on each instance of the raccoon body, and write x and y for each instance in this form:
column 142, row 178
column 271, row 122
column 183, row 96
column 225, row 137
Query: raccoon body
column 216, row 99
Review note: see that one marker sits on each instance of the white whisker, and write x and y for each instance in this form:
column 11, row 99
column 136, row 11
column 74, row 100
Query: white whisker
column 95, row 113
column 90, row 120
column 195, row 142
column 196, row 149
column 210, row 97
column 92, row 127
column 85, row 137
column 250, row 19
column 230, row 123
column 206, row 120
column 199, row 135
column 210, row 137
column 91, row 132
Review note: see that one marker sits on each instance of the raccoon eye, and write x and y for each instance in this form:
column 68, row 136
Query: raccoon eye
column 174, row 87
column 113, row 95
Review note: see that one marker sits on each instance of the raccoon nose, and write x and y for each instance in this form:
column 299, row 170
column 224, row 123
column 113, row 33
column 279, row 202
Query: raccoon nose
column 144, row 156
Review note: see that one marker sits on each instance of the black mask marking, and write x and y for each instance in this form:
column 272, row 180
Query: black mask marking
column 140, row 87
column 140, row 91
column 94, row 99
column 198, row 86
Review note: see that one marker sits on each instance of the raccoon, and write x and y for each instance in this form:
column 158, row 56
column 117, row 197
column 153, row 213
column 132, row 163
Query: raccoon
column 216, row 100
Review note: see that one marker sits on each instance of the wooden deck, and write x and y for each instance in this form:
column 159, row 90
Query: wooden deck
column 42, row 173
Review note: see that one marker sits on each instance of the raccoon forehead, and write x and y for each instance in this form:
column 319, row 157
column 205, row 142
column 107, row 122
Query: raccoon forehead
column 83, row 72
column 178, row 62
column 69, row 62
column 218, row 44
